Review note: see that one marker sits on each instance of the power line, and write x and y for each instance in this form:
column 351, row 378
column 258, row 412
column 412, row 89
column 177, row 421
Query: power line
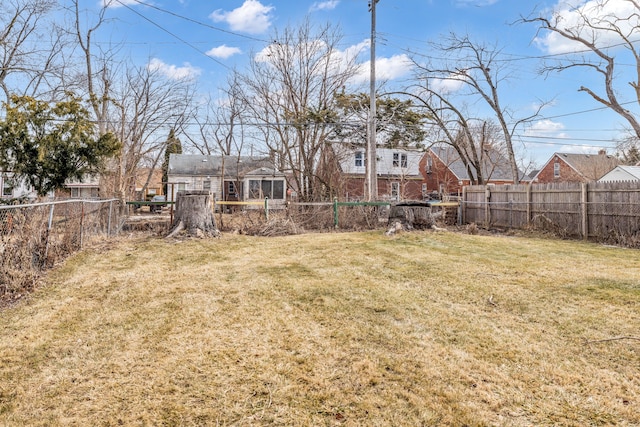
column 174, row 35
column 199, row 22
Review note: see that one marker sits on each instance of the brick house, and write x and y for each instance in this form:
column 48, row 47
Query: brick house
column 573, row 167
column 398, row 173
column 444, row 172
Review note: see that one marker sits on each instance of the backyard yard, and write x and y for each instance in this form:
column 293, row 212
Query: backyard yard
column 353, row 329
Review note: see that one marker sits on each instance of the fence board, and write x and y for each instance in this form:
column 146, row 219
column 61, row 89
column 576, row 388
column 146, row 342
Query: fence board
column 605, row 211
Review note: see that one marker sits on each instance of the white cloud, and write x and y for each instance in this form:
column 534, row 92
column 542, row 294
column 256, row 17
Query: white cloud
column 223, row 51
column 546, row 127
column 386, row 68
column 187, row 71
column 571, row 15
column 252, row 17
column 117, row 3
column 446, row 85
column 324, row 5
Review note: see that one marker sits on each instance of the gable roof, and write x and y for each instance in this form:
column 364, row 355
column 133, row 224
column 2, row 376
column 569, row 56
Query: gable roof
column 203, row 165
column 622, row 173
column 590, row 166
column 495, row 168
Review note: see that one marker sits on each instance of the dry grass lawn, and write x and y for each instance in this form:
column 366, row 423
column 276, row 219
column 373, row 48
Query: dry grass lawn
column 353, row 329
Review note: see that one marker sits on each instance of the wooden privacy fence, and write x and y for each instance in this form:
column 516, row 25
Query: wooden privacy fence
column 601, row 210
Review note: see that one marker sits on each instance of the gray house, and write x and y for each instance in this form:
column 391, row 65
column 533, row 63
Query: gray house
column 227, row 178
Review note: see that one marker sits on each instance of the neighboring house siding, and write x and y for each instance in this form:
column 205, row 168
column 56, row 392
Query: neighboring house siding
column 566, row 173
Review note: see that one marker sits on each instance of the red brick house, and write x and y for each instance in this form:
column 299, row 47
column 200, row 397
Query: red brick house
column 572, row 167
column 398, row 173
column 444, row 172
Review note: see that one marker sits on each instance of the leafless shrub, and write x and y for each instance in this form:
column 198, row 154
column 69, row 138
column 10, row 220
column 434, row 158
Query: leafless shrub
column 472, row 228
column 36, row 237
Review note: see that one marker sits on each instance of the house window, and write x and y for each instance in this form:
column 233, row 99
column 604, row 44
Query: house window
column 359, row 159
column 259, row 189
column 231, row 188
column 424, row 189
column 395, row 190
column 182, row 186
column 556, row 170
column 400, row 160
column 75, row 193
column 429, row 166
column 7, row 188
column 206, row 185
column 95, row 193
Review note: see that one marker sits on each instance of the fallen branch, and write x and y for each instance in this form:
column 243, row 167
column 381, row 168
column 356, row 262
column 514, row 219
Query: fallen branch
column 613, row 339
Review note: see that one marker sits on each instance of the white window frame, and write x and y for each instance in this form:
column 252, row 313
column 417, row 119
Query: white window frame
column 556, row 170
column 359, row 159
column 395, row 190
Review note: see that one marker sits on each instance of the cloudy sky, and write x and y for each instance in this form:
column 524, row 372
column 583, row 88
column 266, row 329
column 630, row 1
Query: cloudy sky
column 204, row 40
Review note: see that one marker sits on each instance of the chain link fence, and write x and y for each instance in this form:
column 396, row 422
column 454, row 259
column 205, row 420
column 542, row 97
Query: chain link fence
column 35, row 236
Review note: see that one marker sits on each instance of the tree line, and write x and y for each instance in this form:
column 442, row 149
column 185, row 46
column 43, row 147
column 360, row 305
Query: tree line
column 72, row 108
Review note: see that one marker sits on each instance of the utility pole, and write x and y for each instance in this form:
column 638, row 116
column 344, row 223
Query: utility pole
column 371, row 179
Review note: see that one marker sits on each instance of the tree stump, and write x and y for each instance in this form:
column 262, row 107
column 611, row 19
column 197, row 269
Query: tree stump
column 410, row 215
column 194, row 215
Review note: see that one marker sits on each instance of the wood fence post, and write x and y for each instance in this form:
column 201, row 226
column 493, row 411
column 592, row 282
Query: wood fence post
column 462, row 213
column 487, row 208
column 584, row 203
column 529, row 201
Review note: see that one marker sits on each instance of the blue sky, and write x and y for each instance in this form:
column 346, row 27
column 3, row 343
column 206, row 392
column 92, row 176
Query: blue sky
column 206, row 39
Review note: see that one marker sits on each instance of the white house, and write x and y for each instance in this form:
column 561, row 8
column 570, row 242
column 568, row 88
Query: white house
column 13, row 188
column 622, row 173
column 228, row 178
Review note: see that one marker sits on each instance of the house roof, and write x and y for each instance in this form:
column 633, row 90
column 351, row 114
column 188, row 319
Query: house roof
column 622, row 173
column 495, row 168
column 203, row 165
column 590, row 166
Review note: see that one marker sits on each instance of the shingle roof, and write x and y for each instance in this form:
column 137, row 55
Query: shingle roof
column 591, row 166
column 202, row 165
column 495, row 168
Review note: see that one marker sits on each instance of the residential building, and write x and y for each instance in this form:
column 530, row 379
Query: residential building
column 444, row 172
column 398, row 173
column 574, row 167
column 228, row 178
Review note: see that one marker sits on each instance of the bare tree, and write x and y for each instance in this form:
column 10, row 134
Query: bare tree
column 290, row 89
column 474, row 71
column 149, row 104
column 26, row 55
column 138, row 104
column 598, row 34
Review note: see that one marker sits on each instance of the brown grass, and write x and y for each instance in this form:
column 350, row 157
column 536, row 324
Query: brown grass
column 329, row 329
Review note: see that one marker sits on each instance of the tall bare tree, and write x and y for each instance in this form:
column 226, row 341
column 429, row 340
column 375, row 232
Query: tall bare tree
column 28, row 53
column 138, row 104
column 474, row 71
column 290, row 89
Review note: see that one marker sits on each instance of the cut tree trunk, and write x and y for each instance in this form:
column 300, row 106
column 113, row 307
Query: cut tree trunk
column 411, row 215
column 194, row 215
